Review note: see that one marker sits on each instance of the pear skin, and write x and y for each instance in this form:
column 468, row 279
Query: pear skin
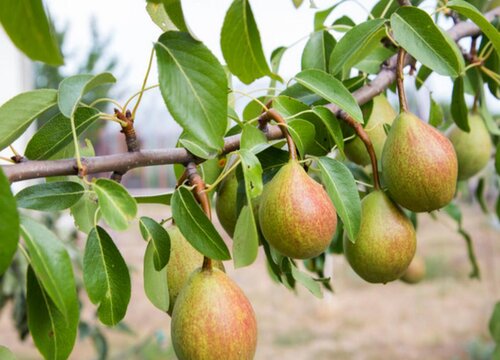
column 415, row 272
column 184, row 259
column 382, row 113
column 225, row 203
column 419, row 165
column 296, row 214
column 386, row 241
column 473, row 148
column 213, row 319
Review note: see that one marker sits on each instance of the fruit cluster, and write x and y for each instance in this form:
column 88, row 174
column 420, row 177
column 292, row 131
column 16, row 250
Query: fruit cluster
column 296, row 217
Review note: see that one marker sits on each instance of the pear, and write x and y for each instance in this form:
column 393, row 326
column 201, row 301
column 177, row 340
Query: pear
column 184, row 259
column 419, row 165
column 296, row 215
column 382, row 113
column 386, row 241
column 473, row 148
column 225, row 204
column 415, row 272
column 213, row 319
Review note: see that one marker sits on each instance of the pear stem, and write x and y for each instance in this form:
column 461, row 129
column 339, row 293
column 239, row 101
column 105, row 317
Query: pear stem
column 403, row 104
column 272, row 114
column 202, row 197
column 363, row 136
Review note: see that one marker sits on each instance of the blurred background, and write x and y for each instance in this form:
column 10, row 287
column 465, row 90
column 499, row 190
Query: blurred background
column 444, row 317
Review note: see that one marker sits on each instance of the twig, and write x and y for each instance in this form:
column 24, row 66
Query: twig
column 272, row 114
column 363, row 136
column 403, row 104
column 130, row 139
column 202, row 196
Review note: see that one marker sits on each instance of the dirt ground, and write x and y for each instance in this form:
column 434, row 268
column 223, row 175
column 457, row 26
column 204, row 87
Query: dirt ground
column 444, row 317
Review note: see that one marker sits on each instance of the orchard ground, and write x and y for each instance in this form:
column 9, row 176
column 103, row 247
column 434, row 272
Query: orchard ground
column 444, row 317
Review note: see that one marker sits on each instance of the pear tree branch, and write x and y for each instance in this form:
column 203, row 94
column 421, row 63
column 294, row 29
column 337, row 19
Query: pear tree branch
column 124, row 162
column 202, row 197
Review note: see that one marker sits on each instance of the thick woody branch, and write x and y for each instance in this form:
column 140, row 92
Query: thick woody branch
column 127, row 161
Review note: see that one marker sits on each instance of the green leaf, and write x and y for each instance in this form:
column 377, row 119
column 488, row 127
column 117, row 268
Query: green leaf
column 303, row 133
column 374, row 61
column 459, row 110
column 84, row 212
column 53, row 332
column 240, row 43
column 422, row 75
column 343, row 191
column 56, row 133
column 118, row 208
column 195, row 146
column 196, row 227
column 29, row 29
column 332, row 124
column 253, row 139
column 153, row 232
column 194, row 87
column 252, row 172
column 416, row 32
column 308, row 282
column 317, row 51
column 106, row 277
column 475, row 15
column 494, row 324
column 53, row 196
column 435, row 113
column 331, row 89
column 19, row 112
column 356, row 44
column 6, row 354
column 291, row 108
column 162, row 199
column 320, row 16
column 155, row 282
column 174, row 11
column 51, row 264
column 276, row 57
column 479, row 193
column 9, row 224
column 245, row 238
column 72, row 89
column 159, row 16
column 490, row 123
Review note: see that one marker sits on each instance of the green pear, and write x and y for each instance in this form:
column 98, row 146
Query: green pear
column 213, row 319
column 386, row 241
column 492, row 4
column 415, row 272
column 473, row 148
column 419, row 165
column 184, row 259
column 225, row 203
column 382, row 113
column 296, row 215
